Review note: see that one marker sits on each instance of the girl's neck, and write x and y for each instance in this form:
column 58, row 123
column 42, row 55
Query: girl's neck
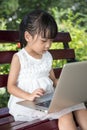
column 33, row 53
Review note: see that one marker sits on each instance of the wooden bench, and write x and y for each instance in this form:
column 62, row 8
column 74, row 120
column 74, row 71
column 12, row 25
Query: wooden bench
column 6, row 120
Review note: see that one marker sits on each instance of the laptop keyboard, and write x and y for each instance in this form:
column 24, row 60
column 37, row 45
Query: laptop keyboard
column 44, row 104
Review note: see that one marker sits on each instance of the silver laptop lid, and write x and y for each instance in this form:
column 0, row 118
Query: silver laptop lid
column 71, row 88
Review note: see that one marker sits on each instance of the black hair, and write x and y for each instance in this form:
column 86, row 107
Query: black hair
column 38, row 22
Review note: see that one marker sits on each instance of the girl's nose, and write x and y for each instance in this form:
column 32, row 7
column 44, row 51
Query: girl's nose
column 48, row 44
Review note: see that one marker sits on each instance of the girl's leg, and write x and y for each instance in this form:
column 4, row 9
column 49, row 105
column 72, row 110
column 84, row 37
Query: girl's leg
column 81, row 118
column 66, row 122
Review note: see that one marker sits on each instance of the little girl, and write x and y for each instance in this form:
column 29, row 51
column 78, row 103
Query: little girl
column 31, row 74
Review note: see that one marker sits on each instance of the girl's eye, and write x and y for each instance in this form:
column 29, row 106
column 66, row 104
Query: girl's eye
column 44, row 40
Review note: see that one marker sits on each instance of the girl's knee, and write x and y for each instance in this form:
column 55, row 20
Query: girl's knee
column 81, row 118
column 67, row 122
column 81, row 114
column 66, row 118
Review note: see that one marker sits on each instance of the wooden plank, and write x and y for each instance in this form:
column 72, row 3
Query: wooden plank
column 3, row 80
column 9, row 124
column 41, row 125
column 6, row 120
column 47, row 125
column 63, row 54
column 6, row 56
column 4, row 112
column 13, row 36
column 63, row 37
column 57, row 72
column 9, row 36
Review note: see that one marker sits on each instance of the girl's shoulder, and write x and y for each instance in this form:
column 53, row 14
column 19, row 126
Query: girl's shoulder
column 20, row 52
column 21, row 55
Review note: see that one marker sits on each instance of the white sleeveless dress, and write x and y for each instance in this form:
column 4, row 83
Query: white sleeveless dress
column 34, row 73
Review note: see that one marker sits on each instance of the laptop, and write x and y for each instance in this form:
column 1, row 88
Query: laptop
column 71, row 90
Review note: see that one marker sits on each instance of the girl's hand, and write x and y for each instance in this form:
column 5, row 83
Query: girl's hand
column 36, row 94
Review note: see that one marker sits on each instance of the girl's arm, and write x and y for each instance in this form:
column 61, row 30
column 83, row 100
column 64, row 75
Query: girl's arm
column 12, row 82
column 53, row 78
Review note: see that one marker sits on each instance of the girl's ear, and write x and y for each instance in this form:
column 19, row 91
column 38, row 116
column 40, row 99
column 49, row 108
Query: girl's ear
column 27, row 36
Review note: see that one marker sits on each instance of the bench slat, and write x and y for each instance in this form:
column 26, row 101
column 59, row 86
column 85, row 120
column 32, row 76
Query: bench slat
column 3, row 80
column 9, row 36
column 57, row 72
column 13, row 36
column 63, row 54
column 4, row 112
column 6, row 120
column 8, row 123
column 6, row 56
column 41, row 125
column 63, row 37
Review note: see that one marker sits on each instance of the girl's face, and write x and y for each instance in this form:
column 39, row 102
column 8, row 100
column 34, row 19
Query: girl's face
column 39, row 45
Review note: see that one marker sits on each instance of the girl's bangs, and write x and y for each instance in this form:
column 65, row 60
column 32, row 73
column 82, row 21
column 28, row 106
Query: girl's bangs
column 48, row 33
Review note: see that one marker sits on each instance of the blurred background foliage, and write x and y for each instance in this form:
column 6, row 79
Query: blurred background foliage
column 70, row 15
